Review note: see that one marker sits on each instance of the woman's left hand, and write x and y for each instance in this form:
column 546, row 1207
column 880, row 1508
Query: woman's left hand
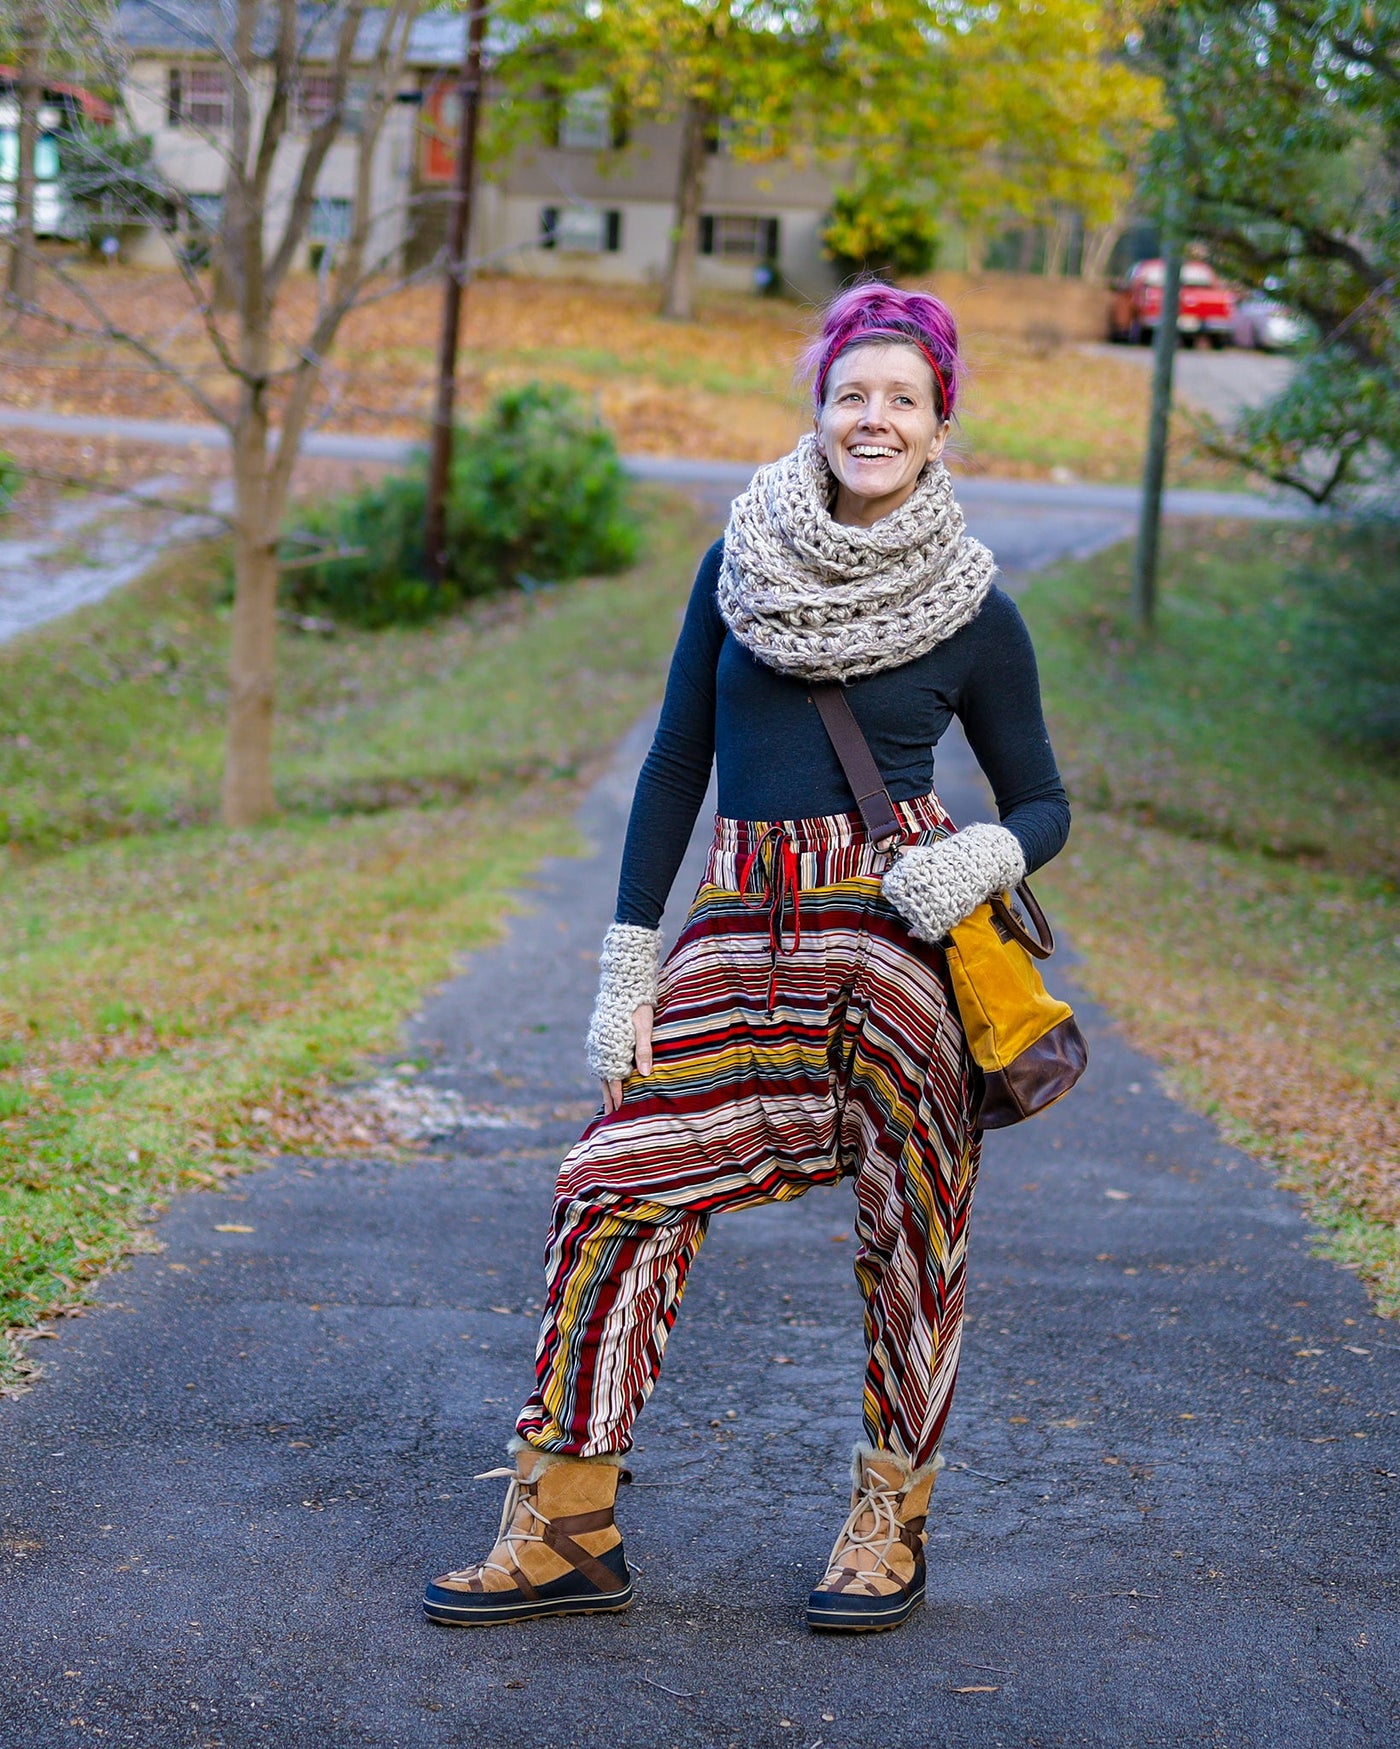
column 642, row 1020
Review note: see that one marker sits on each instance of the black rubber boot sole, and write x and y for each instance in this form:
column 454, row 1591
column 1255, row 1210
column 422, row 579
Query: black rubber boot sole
column 832, row 1612
column 570, row 1594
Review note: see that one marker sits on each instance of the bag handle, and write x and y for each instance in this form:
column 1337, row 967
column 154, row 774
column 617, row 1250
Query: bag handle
column 882, row 821
column 858, row 762
column 1040, row 945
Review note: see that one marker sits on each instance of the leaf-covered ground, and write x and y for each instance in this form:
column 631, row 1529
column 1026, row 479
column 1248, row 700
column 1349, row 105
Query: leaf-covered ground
column 174, row 997
column 1231, row 877
column 720, row 387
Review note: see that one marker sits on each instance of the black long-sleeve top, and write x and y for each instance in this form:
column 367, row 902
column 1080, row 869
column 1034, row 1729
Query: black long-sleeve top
column 775, row 760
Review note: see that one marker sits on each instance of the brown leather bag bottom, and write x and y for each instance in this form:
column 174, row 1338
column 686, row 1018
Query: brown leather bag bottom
column 1043, row 1073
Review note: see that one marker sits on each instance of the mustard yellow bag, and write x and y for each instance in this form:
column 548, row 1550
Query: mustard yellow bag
column 1026, row 1042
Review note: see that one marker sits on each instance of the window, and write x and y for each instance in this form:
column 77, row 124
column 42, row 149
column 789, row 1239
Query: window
column 357, row 96
column 206, row 98
column 581, row 230
column 720, row 134
column 739, row 236
column 206, row 212
column 315, row 100
column 174, row 97
column 330, row 219
column 586, row 121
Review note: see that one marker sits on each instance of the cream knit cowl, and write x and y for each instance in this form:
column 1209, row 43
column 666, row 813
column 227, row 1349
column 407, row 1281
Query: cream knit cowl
column 821, row 600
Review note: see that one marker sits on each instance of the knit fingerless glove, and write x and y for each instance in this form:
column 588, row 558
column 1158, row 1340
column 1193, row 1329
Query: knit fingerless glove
column 627, row 969
column 934, row 886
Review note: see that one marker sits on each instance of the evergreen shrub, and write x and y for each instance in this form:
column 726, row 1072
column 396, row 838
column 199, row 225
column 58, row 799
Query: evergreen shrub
column 537, row 495
column 877, row 230
column 1348, row 637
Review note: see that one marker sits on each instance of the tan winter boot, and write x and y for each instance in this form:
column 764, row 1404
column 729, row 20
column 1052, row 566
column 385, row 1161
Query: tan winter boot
column 557, row 1551
column 875, row 1577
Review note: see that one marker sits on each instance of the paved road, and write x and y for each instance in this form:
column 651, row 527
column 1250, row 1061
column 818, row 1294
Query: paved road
column 1222, row 384
column 1026, row 522
column 727, row 477
column 1170, row 1519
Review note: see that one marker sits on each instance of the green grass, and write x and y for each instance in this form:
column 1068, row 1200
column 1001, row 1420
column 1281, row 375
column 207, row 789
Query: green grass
column 172, row 993
column 113, row 724
column 1231, row 877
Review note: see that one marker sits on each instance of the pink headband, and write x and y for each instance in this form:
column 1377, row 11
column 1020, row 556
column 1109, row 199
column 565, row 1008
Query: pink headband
column 901, row 339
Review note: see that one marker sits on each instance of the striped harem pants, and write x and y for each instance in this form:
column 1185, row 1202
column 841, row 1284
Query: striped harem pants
column 802, row 1035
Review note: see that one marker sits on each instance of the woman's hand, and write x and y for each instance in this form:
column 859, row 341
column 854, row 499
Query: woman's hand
column 641, row 1025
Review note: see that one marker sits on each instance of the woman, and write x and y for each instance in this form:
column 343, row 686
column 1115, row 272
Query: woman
column 802, row 1029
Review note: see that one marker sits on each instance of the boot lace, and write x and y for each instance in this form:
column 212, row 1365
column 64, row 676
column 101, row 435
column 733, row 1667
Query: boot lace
column 881, row 1500
column 507, row 1535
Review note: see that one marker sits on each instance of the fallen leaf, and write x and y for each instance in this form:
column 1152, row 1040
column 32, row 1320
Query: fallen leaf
column 782, row 1360
column 1351, row 1350
column 839, row 1238
column 503, row 1309
column 1120, row 1195
column 979, row 1688
column 233, row 1227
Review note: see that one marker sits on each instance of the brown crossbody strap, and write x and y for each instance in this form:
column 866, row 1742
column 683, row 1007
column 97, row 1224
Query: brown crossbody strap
column 858, row 763
column 882, row 821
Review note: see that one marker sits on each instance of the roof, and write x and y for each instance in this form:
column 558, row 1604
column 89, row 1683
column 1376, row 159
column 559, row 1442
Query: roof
column 193, row 27
column 57, row 90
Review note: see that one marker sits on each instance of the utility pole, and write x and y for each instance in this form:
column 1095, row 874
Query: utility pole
column 458, row 232
column 30, row 93
column 1159, row 420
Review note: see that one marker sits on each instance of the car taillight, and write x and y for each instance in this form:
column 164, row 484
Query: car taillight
column 1151, row 301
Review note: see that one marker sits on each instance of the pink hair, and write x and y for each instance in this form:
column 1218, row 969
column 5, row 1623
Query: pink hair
column 873, row 312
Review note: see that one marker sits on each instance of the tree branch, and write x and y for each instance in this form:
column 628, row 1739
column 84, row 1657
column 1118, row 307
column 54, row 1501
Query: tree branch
column 322, row 138
column 1368, row 54
column 117, row 491
column 105, row 329
column 349, row 274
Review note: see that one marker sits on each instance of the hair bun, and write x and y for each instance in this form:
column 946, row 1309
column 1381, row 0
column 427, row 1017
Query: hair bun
column 875, row 308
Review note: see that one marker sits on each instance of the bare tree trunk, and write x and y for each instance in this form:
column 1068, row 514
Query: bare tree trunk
column 1057, row 245
column 1098, row 249
column 248, row 795
column 679, row 301
column 31, row 96
column 262, row 479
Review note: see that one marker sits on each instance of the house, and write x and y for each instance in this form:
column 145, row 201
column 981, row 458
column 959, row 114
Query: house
column 178, row 91
column 596, row 201
column 61, row 108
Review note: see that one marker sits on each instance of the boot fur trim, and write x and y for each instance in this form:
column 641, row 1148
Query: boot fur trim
column 860, row 1451
column 547, row 1460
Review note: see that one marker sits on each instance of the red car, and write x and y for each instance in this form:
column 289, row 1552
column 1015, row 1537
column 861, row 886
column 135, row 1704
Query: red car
column 1207, row 305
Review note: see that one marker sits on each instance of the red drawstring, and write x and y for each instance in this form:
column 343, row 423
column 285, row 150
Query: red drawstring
column 783, row 877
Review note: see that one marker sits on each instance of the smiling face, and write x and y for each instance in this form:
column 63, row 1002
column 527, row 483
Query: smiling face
column 878, row 426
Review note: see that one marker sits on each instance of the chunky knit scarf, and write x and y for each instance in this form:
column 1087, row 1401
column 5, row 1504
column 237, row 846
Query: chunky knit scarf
column 817, row 599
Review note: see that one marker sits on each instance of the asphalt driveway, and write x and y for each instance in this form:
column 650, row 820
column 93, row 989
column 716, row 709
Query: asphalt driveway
column 1169, row 1520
